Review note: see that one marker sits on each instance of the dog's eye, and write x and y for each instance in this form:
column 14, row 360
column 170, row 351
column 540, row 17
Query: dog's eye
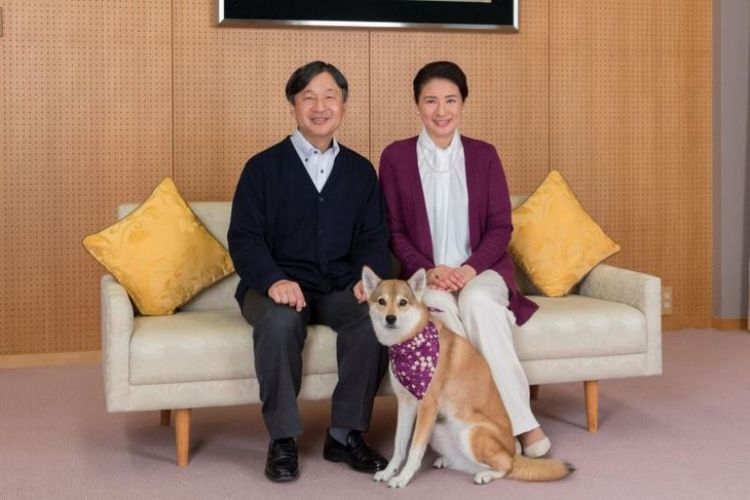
column 381, row 301
column 402, row 302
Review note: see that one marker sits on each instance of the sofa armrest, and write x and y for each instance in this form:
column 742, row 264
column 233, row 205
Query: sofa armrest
column 615, row 284
column 639, row 290
column 117, row 327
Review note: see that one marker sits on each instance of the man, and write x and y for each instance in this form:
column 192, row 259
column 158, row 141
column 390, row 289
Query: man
column 306, row 216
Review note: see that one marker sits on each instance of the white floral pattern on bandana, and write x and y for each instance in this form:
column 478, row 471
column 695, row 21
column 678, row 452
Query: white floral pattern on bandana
column 414, row 361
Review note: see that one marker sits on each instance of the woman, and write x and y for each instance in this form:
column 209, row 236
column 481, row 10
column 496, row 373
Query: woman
column 449, row 212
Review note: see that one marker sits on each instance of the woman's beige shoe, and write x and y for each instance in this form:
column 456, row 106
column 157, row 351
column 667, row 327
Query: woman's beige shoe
column 539, row 449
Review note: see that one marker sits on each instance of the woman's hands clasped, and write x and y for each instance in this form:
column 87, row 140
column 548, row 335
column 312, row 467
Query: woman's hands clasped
column 450, row 279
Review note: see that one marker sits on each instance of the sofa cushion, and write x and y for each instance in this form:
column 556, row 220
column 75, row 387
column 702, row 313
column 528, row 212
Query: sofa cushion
column 555, row 241
column 199, row 346
column 577, row 326
column 161, row 252
column 215, row 217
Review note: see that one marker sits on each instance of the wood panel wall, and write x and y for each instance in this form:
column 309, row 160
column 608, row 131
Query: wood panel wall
column 86, row 123
column 630, row 128
column 100, row 100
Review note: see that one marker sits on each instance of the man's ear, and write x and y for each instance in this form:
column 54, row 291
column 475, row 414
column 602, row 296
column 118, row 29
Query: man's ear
column 370, row 280
column 418, row 283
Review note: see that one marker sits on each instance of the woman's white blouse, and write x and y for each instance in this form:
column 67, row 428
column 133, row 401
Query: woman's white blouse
column 443, row 174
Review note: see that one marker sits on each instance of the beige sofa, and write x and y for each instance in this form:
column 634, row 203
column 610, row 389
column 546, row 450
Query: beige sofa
column 202, row 356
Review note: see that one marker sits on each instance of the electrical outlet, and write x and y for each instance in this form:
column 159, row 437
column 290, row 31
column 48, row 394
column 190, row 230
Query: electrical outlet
column 666, row 300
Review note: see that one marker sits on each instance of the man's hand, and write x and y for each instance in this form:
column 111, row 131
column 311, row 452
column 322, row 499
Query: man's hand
column 288, row 293
column 359, row 292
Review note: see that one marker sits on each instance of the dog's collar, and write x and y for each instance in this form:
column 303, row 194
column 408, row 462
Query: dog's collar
column 413, row 362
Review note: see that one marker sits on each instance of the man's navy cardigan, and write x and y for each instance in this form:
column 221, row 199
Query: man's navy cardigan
column 282, row 228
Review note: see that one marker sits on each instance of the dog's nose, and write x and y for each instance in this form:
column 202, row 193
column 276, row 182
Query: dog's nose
column 390, row 319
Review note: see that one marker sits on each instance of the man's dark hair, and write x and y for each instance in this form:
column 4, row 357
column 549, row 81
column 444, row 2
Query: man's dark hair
column 445, row 70
column 303, row 75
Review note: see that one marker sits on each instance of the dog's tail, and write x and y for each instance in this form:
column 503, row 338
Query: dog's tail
column 539, row 469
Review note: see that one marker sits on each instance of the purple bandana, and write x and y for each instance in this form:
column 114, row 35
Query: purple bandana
column 414, row 361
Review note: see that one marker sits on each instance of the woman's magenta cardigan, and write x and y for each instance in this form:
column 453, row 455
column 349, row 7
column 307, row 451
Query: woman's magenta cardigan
column 490, row 225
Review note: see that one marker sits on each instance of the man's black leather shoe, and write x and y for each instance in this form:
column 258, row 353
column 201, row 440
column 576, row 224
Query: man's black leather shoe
column 356, row 453
column 281, row 463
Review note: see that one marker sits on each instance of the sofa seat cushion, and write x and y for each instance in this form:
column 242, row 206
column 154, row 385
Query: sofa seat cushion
column 199, row 346
column 577, row 326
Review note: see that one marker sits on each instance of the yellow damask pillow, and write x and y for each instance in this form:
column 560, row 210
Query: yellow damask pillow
column 555, row 242
column 161, row 252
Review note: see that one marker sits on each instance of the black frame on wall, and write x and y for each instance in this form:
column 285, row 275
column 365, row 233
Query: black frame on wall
column 496, row 15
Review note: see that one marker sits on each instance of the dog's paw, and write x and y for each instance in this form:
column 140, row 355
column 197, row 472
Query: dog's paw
column 485, row 476
column 385, row 474
column 439, row 463
column 400, row 481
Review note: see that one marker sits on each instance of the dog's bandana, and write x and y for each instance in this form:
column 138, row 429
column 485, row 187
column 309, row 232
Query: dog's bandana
column 414, row 361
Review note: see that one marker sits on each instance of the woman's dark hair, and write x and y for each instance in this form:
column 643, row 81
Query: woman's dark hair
column 303, row 75
column 445, row 70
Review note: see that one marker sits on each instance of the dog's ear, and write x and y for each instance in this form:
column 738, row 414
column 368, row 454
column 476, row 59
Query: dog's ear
column 418, row 283
column 370, row 280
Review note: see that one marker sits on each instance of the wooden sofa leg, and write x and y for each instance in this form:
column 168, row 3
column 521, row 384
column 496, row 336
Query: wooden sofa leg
column 182, row 435
column 591, row 391
column 534, row 390
column 166, row 417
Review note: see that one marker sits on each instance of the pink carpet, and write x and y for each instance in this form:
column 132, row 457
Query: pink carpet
column 683, row 435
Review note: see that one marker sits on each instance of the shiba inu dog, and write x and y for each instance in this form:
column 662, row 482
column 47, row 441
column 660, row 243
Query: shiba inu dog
column 445, row 385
